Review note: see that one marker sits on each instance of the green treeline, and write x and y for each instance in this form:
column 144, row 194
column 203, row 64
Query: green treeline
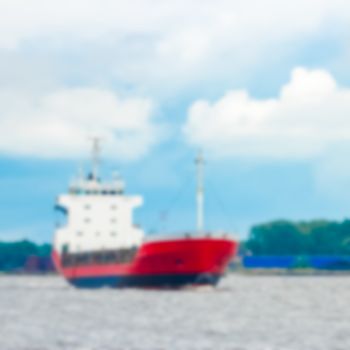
column 317, row 237
column 13, row 255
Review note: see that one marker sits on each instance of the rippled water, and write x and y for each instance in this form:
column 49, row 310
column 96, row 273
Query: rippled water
column 244, row 312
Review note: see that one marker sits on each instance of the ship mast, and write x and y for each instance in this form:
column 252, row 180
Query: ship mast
column 200, row 191
column 95, row 157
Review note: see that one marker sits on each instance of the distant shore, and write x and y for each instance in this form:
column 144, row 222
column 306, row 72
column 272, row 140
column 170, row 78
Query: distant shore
column 289, row 272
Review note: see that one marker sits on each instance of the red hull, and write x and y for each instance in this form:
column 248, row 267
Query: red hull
column 160, row 261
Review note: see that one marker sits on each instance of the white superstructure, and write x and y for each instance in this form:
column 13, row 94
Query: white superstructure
column 99, row 216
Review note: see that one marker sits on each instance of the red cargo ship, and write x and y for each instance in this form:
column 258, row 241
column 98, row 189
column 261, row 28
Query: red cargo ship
column 100, row 246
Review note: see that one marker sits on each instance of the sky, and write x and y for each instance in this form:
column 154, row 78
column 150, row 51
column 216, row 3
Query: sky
column 261, row 86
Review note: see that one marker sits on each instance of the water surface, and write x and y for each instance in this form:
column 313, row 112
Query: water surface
column 243, row 313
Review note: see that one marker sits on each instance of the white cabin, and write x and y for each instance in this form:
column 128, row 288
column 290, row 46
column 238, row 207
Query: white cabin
column 98, row 216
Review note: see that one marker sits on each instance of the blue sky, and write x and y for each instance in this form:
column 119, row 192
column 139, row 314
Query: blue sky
column 263, row 87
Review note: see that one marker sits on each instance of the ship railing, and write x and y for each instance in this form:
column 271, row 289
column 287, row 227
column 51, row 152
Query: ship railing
column 100, row 257
column 189, row 235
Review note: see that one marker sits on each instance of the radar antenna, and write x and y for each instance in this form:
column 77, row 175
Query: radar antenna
column 95, row 157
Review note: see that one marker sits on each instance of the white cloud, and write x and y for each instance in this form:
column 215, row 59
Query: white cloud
column 311, row 114
column 148, row 47
column 234, row 21
column 165, row 45
column 58, row 124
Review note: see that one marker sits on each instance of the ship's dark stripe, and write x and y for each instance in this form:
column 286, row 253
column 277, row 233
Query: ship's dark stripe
column 156, row 281
column 115, row 256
